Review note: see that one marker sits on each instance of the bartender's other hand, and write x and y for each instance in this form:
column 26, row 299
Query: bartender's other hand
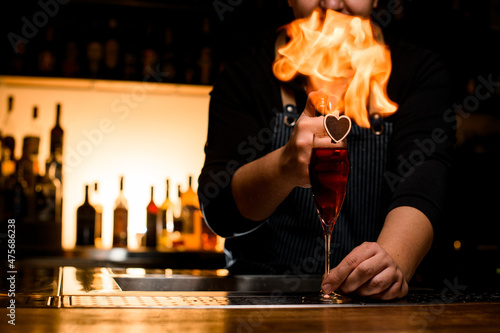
column 296, row 154
column 367, row 271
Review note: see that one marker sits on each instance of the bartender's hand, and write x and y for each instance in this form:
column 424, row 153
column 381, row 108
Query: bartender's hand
column 260, row 186
column 367, row 271
column 383, row 269
column 296, row 154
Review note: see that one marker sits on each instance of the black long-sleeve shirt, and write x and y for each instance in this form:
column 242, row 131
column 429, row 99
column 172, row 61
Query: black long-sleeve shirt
column 405, row 166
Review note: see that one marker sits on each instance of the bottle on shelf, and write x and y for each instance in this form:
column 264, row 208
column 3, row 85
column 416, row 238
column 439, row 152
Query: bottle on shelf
column 46, row 65
column 27, row 165
column 7, row 131
column 14, row 197
column 111, row 48
column 177, row 236
column 85, row 222
column 48, row 194
column 166, row 220
column 96, row 202
column 120, row 219
column 7, row 162
column 56, row 146
column 151, row 222
column 28, row 172
column 14, row 182
column 191, row 219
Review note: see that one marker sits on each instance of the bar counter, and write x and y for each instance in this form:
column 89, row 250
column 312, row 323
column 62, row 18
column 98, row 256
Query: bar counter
column 437, row 318
column 69, row 299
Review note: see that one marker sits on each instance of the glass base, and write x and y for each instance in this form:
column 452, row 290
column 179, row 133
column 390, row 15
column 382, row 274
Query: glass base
column 321, row 298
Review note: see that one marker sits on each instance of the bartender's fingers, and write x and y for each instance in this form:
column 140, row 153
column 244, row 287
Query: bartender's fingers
column 398, row 289
column 316, row 101
column 364, row 273
column 380, row 282
column 340, row 273
column 296, row 154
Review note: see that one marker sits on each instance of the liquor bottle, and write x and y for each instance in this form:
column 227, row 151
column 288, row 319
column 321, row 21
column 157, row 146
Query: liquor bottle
column 166, row 220
column 56, row 146
column 85, row 222
column 13, row 198
column 28, row 163
column 111, row 48
column 191, row 219
column 11, row 201
column 151, row 222
column 7, row 165
column 8, row 130
column 120, row 219
column 168, row 56
column 176, row 237
column 96, row 202
column 47, row 193
column 47, row 55
column 28, row 170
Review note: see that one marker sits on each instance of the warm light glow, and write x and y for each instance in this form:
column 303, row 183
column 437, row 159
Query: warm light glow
column 457, row 245
column 222, row 272
column 135, row 271
column 342, row 55
column 147, row 132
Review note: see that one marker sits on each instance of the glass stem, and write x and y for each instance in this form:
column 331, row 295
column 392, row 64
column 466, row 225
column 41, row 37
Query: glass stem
column 327, row 252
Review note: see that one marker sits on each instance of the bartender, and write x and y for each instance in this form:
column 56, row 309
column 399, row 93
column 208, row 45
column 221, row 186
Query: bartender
column 254, row 187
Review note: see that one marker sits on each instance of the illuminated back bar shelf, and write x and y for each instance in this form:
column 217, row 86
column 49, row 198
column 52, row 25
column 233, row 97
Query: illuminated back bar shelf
column 145, row 131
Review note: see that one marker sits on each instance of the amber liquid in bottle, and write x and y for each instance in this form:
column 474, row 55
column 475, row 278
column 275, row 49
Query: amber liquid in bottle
column 120, row 219
column 191, row 219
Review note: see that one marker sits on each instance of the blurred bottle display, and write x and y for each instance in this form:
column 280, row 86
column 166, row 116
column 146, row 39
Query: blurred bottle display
column 97, row 204
column 85, row 222
column 166, row 220
column 151, row 222
column 120, row 219
column 112, row 50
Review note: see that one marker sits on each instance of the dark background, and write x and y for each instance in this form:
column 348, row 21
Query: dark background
column 465, row 33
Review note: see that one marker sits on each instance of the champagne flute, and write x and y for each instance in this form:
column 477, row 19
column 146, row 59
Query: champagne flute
column 328, row 173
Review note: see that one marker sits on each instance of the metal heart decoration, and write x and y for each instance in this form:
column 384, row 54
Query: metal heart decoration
column 337, row 126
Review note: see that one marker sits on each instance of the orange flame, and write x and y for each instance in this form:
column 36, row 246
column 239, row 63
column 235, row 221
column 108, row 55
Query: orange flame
column 340, row 55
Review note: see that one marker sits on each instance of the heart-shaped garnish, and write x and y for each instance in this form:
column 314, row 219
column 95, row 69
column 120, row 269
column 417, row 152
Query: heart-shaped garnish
column 337, row 126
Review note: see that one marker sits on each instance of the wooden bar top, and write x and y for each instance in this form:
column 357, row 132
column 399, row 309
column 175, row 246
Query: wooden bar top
column 468, row 317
